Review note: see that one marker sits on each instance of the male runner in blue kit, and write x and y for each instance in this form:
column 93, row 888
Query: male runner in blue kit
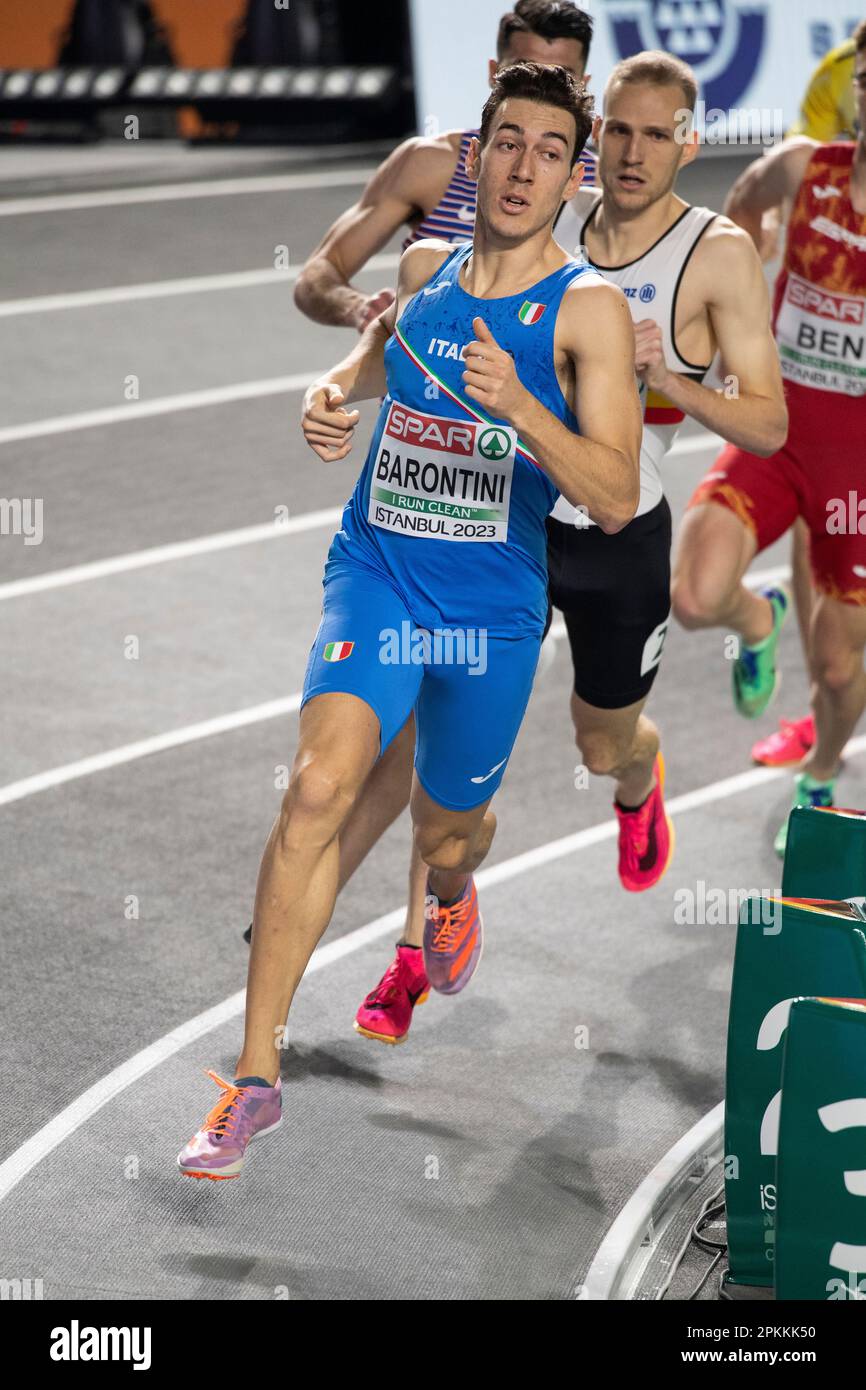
column 488, row 358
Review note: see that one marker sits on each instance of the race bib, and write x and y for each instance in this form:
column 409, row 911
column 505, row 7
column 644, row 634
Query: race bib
column 822, row 338
column 434, row 476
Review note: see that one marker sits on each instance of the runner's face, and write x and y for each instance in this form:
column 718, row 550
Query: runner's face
column 639, row 154
column 524, row 167
column 532, row 48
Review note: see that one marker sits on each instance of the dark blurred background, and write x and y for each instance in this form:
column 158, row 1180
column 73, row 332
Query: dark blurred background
column 319, row 71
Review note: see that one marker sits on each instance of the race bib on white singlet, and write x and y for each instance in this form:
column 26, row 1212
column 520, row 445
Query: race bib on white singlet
column 822, row 338
column 434, row 476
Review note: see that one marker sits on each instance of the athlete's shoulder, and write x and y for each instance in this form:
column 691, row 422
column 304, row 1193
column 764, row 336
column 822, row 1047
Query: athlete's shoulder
column 589, row 309
column 724, row 246
column 421, row 260
column 417, row 160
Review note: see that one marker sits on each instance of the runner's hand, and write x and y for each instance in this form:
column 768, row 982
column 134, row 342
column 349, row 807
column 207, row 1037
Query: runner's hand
column 491, row 376
column 372, row 307
column 649, row 354
column 328, row 428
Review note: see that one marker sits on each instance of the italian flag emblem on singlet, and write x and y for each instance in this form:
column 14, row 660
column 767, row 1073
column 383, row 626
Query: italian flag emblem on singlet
column 338, row 651
column 530, row 313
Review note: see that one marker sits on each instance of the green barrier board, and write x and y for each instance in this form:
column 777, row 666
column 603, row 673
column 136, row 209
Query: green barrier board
column 786, row 948
column 821, row 1167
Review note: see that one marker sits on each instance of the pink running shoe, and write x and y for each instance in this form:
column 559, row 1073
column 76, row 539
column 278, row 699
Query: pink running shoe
column 386, row 1013
column 453, row 941
column 242, row 1113
column 646, row 838
column 789, row 744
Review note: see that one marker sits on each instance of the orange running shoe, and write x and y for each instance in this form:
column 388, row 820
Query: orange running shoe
column 453, row 940
column 789, row 744
column 646, row 838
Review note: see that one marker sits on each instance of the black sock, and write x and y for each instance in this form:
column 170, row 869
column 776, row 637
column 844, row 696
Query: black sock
column 641, row 803
column 252, row 1081
column 408, row 945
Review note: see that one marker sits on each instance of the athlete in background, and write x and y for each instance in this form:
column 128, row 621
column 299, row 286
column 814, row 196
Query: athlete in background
column 828, row 112
column 423, row 185
column 745, row 503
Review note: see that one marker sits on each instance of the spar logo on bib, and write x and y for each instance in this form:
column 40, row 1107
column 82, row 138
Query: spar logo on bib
column 530, row 313
column 435, row 476
column 338, row 651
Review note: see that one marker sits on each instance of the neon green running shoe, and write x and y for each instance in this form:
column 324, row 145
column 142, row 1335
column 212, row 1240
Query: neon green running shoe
column 807, row 792
column 755, row 678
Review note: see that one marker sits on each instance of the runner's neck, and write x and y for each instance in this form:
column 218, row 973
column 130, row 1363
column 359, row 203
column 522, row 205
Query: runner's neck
column 614, row 238
column 494, row 272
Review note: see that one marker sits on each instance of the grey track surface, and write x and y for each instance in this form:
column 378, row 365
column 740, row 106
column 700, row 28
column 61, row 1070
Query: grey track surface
column 538, row 1142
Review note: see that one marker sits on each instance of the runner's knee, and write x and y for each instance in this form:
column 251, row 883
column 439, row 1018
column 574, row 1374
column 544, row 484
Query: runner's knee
column 317, row 802
column 447, row 850
column 601, row 753
column 835, row 671
column 697, row 600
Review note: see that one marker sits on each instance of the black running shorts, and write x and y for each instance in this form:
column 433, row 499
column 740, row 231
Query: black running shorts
column 614, row 594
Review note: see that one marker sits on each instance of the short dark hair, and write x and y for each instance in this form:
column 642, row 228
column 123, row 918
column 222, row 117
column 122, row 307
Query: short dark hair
column 859, row 37
column 550, row 19
column 656, row 69
column 549, row 86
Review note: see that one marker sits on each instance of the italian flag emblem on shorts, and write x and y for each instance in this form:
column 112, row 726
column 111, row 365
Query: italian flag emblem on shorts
column 530, row 313
column 338, row 651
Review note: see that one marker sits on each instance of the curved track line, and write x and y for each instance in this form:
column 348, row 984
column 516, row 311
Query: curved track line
column 161, row 289
column 220, row 724
column 624, row 1238
column 143, row 748
column 73, row 1116
column 165, row 554
column 244, row 535
column 174, row 192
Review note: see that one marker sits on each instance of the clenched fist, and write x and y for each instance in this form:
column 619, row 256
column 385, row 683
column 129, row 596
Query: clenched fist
column 491, row 376
column 372, row 307
column 649, row 354
column 328, row 428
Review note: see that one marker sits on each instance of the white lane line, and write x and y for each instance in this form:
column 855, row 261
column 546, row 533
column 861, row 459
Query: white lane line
column 238, row 719
column 640, row 1217
column 161, row 405
column 173, row 192
column 165, row 554
column 143, row 748
column 160, row 289
column 217, row 541
column 73, row 1116
column 227, row 540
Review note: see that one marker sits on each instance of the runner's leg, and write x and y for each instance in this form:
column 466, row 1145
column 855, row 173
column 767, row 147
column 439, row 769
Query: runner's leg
column 713, row 551
column 837, row 641
column 618, row 743
column 298, row 878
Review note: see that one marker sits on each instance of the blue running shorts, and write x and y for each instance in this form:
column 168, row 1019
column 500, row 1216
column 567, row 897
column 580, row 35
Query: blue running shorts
column 469, row 691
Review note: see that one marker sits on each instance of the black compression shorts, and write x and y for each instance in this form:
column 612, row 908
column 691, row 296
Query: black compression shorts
column 614, row 594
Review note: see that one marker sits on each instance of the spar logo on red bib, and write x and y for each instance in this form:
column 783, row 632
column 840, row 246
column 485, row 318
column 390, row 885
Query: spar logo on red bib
column 530, row 313
column 432, row 431
column 827, row 306
column 338, row 651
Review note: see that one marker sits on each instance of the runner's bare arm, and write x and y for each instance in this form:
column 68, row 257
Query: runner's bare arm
column 767, row 183
column 599, row 468
column 327, row 427
column 749, row 410
column 395, row 194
